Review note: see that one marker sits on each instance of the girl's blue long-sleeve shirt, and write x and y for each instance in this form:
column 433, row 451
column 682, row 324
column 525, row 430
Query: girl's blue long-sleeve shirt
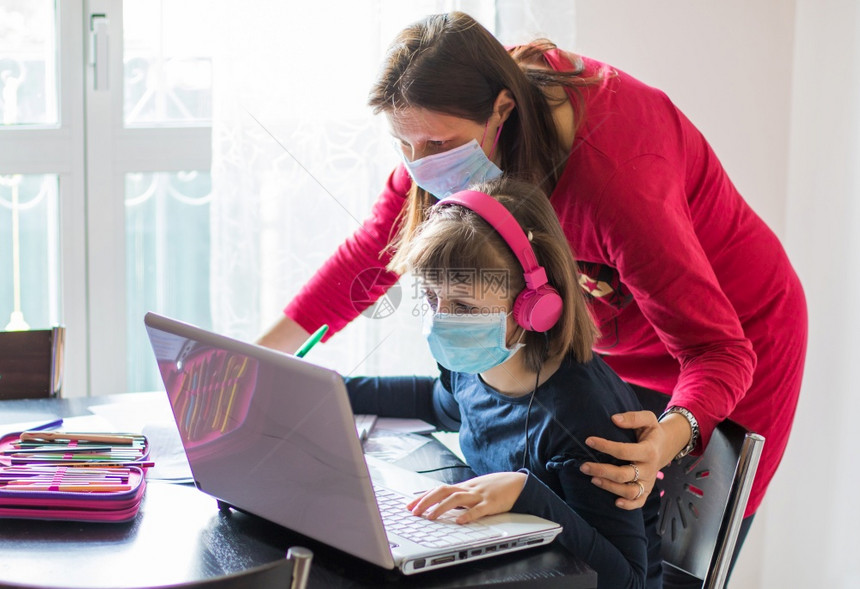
column 574, row 403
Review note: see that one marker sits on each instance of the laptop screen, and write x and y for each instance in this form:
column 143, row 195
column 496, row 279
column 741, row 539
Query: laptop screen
column 268, row 433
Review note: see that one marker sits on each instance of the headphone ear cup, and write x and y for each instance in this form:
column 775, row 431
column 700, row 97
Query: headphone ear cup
column 538, row 310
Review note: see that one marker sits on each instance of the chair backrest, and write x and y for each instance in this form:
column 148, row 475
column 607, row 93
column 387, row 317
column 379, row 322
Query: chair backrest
column 289, row 573
column 274, row 575
column 703, row 498
column 703, row 502
column 31, row 363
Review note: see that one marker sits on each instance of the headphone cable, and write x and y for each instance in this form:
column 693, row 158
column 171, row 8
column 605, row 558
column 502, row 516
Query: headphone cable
column 527, row 462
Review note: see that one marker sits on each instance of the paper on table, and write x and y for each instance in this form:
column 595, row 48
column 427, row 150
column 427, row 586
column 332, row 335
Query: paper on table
column 150, row 414
column 391, row 447
column 451, row 440
column 22, row 426
column 83, row 423
column 24, row 420
column 393, row 438
column 364, row 423
column 168, row 454
column 88, row 423
column 136, row 412
column 403, row 426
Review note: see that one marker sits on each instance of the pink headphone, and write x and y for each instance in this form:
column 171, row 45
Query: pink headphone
column 538, row 307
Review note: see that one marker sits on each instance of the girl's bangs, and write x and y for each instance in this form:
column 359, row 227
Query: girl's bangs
column 450, row 245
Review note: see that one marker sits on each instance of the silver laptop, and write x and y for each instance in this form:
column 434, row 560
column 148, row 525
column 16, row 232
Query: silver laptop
column 274, row 435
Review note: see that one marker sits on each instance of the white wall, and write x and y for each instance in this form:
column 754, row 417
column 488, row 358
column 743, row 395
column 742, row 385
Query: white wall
column 728, row 65
column 814, row 516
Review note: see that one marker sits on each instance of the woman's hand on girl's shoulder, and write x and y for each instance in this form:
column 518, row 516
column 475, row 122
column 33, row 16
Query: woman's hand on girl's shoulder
column 632, row 482
column 484, row 495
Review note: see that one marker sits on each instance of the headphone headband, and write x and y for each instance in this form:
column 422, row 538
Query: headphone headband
column 539, row 306
column 501, row 219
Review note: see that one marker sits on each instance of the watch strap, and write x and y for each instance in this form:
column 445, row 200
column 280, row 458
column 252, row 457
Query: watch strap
column 694, row 428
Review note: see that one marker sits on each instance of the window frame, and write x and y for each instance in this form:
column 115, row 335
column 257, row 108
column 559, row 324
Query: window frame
column 91, row 151
column 56, row 149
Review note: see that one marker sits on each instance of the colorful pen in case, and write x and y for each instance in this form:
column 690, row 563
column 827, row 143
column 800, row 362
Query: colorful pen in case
column 95, row 488
column 90, row 464
column 122, row 439
column 54, row 469
column 133, row 451
column 73, row 452
column 47, row 425
column 64, row 471
column 64, row 479
column 86, row 460
column 53, row 478
column 312, row 341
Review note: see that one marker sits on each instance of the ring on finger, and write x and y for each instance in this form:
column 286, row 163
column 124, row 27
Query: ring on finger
column 641, row 489
column 635, row 473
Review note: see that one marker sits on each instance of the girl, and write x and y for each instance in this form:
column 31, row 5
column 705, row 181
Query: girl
column 519, row 380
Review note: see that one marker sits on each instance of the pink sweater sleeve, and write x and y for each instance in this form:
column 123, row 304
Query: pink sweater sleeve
column 648, row 233
column 354, row 276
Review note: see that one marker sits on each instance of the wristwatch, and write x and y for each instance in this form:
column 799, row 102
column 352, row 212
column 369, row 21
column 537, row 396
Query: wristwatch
column 694, row 427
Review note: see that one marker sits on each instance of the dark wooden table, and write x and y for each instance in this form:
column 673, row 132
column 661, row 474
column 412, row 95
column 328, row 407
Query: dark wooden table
column 180, row 536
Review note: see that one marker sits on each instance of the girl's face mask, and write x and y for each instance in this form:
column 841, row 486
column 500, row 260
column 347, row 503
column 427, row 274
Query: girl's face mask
column 442, row 174
column 468, row 343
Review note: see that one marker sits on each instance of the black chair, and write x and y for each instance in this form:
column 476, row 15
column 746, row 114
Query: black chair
column 289, row 573
column 703, row 498
column 31, row 363
column 702, row 503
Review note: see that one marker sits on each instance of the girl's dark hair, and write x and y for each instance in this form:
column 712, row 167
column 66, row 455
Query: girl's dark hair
column 456, row 238
column 450, row 64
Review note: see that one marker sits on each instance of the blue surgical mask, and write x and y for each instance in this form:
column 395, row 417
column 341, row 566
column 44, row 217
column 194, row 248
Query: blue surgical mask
column 442, row 174
column 468, row 343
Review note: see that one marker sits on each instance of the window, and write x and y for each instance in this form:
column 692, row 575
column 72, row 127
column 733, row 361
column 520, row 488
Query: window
column 104, row 176
column 29, row 221
column 42, row 238
column 167, row 91
column 110, row 205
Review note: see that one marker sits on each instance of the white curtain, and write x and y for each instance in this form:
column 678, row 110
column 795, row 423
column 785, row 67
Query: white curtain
column 298, row 157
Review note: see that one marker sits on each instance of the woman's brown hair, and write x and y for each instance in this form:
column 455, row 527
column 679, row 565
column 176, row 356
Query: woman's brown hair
column 450, row 64
column 454, row 238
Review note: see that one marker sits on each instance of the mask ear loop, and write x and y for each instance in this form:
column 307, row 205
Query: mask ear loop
column 496, row 140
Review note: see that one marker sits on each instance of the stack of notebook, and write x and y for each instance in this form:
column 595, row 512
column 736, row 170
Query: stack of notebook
column 79, row 476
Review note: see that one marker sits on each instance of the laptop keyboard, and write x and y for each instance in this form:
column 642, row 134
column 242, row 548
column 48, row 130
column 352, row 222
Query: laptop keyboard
column 437, row 533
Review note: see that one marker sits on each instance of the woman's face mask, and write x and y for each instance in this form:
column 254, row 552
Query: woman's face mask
column 451, row 171
column 442, row 174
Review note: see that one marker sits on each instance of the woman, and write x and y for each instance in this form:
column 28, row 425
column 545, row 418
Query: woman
column 693, row 294
column 519, row 380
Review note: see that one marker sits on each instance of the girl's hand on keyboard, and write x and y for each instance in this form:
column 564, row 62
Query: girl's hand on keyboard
column 485, row 495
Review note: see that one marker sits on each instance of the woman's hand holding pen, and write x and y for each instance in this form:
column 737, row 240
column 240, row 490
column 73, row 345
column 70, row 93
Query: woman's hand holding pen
column 485, row 495
column 658, row 443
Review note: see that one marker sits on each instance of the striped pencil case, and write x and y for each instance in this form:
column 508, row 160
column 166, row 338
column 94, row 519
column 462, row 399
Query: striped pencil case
column 86, row 493
column 76, row 476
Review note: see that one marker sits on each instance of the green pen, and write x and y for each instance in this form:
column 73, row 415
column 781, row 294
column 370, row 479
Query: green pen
column 312, row 341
